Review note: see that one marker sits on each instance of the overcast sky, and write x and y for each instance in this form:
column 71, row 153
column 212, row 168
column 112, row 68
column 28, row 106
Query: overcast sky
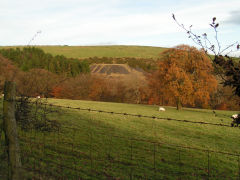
column 114, row 22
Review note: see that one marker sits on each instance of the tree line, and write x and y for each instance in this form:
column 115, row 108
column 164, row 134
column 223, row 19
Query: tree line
column 182, row 76
column 31, row 57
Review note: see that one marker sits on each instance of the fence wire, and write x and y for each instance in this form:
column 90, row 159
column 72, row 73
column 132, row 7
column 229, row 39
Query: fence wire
column 138, row 115
column 63, row 157
column 3, row 160
column 92, row 152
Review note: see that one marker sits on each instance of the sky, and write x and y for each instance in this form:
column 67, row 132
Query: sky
column 115, row 22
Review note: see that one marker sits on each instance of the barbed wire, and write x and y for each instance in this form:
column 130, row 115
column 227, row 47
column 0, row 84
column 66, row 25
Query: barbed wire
column 137, row 115
column 130, row 163
column 171, row 146
column 60, row 154
column 78, row 154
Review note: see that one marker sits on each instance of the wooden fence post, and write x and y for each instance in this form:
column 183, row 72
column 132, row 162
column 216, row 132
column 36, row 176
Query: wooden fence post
column 1, row 122
column 10, row 130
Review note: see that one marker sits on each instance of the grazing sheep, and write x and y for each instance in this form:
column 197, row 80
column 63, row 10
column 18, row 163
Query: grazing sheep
column 38, row 97
column 162, row 109
column 236, row 120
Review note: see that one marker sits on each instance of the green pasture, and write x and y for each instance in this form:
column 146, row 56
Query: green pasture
column 98, row 145
column 172, row 132
column 101, row 51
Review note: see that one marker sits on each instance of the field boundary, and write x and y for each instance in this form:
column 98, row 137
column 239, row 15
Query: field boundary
column 58, row 155
column 138, row 115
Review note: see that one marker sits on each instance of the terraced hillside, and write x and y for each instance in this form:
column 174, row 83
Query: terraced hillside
column 115, row 70
column 131, row 77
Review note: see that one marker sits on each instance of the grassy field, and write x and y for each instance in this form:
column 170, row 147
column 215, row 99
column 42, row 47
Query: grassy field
column 97, row 145
column 102, row 51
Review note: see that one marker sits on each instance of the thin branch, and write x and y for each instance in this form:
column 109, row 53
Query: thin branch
column 196, row 38
column 216, row 36
column 231, row 45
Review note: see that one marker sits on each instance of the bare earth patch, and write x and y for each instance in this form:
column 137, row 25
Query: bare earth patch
column 114, row 70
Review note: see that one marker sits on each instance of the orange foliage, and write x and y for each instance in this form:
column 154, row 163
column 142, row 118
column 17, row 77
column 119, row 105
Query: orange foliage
column 72, row 88
column 102, row 89
column 222, row 106
column 98, row 89
column 56, row 92
column 151, row 101
column 184, row 77
column 36, row 82
column 7, row 72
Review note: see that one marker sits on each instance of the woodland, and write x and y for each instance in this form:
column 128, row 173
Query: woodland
column 182, row 76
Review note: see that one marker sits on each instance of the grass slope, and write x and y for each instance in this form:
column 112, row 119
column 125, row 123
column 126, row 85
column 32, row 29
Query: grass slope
column 172, row 132
column 103, row 146
column 101, row 51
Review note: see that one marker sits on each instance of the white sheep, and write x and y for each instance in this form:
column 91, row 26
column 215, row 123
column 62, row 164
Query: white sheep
column 236, row 119
column 38, row 97
column 162, row 109
column 235, row 116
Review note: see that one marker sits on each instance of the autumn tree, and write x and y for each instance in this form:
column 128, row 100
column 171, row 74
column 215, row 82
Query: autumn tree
column 100, row 89
column 36, row 82
column 111, row 90
column 184, row 77
column 73, row 88
column 224, row 99
column 8, row 72
column 225, row 65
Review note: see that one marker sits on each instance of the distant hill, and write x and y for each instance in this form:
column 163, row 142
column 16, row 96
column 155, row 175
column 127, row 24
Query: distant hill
column 115, row 51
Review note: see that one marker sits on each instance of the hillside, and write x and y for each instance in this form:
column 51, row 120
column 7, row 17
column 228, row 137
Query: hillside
column 101, row 51
column 99, row 140
column 116, row 70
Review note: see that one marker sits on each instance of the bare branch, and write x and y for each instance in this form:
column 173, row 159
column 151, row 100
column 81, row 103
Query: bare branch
column 229, row 46
column 203, row 40
column 225, row 67
column 196, row 38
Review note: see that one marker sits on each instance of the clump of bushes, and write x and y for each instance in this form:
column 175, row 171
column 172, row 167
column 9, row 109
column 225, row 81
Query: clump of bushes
column 34, row 115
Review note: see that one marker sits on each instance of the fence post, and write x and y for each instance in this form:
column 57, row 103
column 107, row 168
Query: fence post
column 238, row 167
column 208, row 165
column 154, row 160
column 1, row 123
column 10, row 130
column 179, row 164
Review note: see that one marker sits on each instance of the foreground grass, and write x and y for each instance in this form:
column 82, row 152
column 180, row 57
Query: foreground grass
column 102, row 51
column 94, row 145
column 196, row 135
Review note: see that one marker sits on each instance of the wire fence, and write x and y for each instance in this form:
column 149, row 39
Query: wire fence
column 96, row 151
column 139, row 115
column 3, row 159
